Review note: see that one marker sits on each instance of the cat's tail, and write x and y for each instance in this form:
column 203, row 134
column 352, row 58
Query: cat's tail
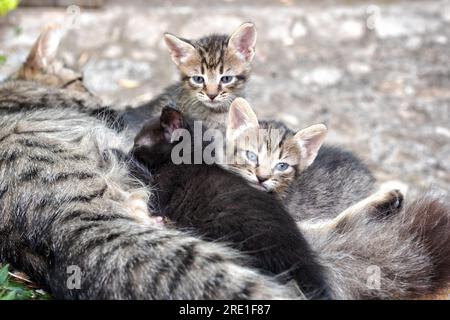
column 403, row 256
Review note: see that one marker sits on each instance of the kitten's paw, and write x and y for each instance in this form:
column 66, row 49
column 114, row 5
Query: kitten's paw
column 387, row 203
column 137, row 206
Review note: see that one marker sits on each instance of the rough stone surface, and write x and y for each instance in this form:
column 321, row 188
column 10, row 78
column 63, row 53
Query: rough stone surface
column 377, row 73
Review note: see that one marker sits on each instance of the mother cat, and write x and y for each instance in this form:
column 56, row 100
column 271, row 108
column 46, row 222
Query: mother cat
column 65, row 200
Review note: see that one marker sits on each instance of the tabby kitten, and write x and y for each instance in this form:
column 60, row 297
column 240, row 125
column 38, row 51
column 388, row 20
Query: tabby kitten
column 409, row 245
column 268, row 154
column 313, row 181
column 214, row 71
column 221, row 206
column 73, row 218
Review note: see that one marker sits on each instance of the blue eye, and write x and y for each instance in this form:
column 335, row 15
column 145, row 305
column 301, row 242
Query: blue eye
column 282, row 166
column 226, row 79
column 198, row 79
column 251, row 156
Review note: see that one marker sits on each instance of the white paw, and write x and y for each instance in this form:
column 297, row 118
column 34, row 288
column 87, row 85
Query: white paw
column 394, row 185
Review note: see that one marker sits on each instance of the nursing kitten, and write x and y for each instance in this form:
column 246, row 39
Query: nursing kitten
column 73, row 218
column 221, row 206
column 214, row 71
column 267, row 153
column 312, row 181
column 409, row 251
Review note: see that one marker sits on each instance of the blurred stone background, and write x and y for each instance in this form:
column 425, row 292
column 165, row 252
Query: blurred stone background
column 377, row 73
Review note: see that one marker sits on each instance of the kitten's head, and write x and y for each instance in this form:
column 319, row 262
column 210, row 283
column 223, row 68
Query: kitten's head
column 42, row 66
column 154, row 143
column 214, row 69
column 267, row 153
column 159, row 130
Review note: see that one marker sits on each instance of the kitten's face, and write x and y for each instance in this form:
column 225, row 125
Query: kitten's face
column 268, row 154
column 214, row 69
column 42, row 66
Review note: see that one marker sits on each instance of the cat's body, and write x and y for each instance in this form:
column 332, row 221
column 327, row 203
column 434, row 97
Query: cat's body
column 220, row 206
column 213, row 70
column 402, row 256
column 335, row 180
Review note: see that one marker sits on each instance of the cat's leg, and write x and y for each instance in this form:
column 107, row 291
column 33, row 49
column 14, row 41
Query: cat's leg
column 377, row 206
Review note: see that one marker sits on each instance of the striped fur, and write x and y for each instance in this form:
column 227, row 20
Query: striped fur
column 276, row 145
column 67, row 200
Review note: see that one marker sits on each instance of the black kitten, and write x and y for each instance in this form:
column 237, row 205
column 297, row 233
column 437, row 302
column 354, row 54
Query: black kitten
column 222, row 206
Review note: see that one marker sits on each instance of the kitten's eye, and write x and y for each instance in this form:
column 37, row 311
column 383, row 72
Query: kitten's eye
column 282, row 166
column 226, row 79
column 251, row 156
column 198, row 79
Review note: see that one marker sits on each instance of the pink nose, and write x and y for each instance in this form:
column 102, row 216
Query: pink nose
column 262, row 179
column 212, row 95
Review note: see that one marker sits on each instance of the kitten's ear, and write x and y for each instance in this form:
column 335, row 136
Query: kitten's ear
column 45, row 48
column 150, row 134
column 241, row 116
column 161, row 128
column 180, row 50
column 171, row 120
column 243, row 41
column 310, row 140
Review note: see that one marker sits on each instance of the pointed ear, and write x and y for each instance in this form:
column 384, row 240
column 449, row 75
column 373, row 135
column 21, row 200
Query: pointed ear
column 180, row 50
column 310, row 140
column 243, row 41
column 150, row 134
column 171, row 120
column 241, row 116
column 45, row 48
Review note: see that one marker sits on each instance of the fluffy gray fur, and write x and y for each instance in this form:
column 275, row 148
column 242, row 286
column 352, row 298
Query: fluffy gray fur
column 411, row 250
column 335, row 180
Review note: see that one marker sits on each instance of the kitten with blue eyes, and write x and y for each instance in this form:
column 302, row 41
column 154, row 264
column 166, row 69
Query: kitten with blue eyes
column 214, row 71
column 314, row 181
column 267, row 153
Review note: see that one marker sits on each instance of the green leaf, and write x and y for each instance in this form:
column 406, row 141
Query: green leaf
column 3, row 58
column 7, row 5
column 10, row 289
column 21, row 294
column 9, row 296
column 4, row 275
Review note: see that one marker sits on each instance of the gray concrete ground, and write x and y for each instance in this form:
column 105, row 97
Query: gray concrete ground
column 377, row 74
